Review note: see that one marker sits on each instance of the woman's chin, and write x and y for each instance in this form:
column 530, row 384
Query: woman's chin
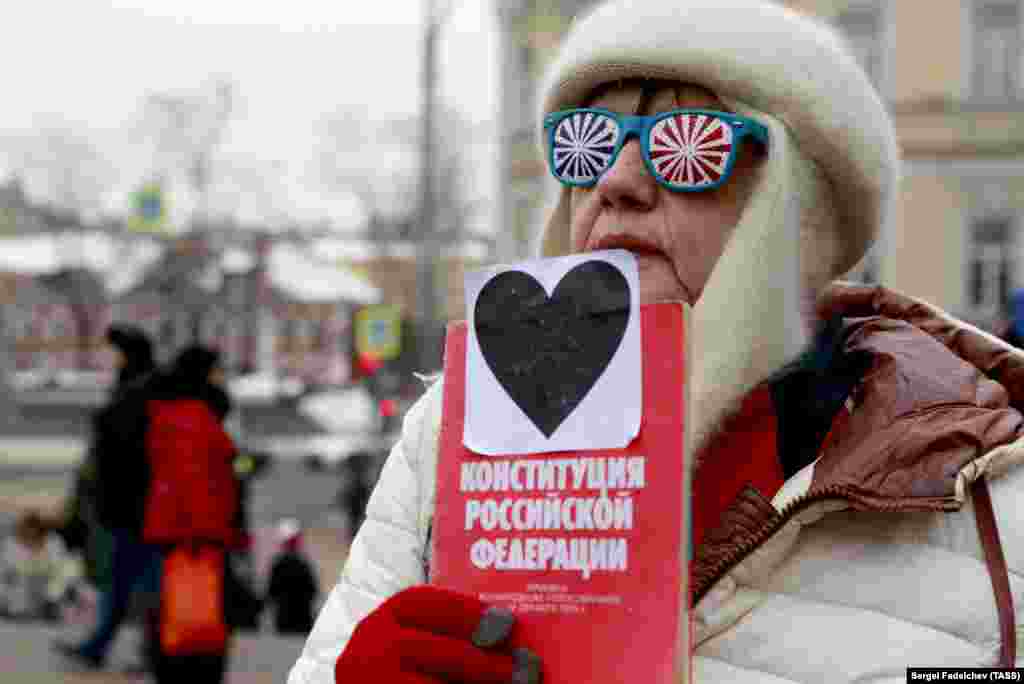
column 658, row 283
column 656, row 294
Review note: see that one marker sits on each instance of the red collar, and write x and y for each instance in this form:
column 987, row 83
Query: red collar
column 744, row 452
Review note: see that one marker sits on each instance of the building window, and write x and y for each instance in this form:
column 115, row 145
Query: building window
column 21, row 324
column 318, row 334
column 302, row 331
column 268, row 341
column 58, row 329
column 862, row 27
column 166, row 334
column 991, row 268
column 183, row 330
column 230, row 354
column 212, row 329
column 288, row 332
column 996, row 48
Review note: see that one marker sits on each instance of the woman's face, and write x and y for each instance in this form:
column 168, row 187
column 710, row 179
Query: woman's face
column 677, row 237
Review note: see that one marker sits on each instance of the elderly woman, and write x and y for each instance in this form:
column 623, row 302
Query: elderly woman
column 854, row 447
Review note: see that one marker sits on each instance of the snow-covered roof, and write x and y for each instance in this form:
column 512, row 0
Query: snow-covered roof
column 136, row 258
column 93, row 250
column 237, row 260
column 357, row 249
column 361, row 249
column 400, row 250
column 121, row 263
column 302, row 277
column 339, row 249
column 299, row 274
column 31, row 255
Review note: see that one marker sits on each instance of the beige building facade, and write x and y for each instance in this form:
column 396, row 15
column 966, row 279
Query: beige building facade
column 952, row 73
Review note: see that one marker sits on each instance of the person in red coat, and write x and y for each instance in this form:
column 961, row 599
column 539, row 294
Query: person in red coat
column 193, row 498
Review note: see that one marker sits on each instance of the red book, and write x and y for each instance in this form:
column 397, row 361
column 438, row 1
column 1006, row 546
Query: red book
column 588, row 548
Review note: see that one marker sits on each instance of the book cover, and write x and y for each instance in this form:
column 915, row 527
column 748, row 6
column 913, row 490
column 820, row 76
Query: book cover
column 588, row 548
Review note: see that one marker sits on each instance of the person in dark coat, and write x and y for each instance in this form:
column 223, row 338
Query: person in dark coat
column 358, row 479
column 133, row 359
column 113, row 487
column 293, row 587
column 194, row 502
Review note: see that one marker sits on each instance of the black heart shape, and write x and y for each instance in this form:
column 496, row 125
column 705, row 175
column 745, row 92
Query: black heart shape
column 547, row 352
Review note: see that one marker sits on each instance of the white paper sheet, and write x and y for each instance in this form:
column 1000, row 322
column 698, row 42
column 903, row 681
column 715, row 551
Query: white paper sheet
column 608, row 416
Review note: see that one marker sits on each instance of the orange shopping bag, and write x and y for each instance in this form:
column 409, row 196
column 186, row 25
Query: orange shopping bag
column 192, row 601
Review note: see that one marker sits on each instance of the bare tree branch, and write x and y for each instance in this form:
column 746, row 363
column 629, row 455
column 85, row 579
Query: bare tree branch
column 378, row 160
column 187, row 130
column 65, row 166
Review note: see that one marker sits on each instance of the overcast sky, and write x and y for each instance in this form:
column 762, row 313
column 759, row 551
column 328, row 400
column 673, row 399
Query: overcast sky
column 90, row 62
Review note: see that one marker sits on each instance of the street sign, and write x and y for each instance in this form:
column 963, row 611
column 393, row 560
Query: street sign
column 149, row 208
column 8, row 220
column 378, row 331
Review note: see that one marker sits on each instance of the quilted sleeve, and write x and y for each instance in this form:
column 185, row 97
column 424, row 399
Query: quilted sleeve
column 387, row 555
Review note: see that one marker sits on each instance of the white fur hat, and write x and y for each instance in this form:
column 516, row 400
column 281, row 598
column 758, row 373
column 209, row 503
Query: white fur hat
column 758, row 53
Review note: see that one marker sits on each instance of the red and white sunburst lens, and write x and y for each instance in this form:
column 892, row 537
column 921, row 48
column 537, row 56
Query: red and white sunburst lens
column 691, row 151
column 582, row 146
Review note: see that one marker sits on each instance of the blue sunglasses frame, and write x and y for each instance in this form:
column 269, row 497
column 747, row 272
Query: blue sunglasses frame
column 640, row 127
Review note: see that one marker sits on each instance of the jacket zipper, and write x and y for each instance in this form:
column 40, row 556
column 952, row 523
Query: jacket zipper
column 703, row 583
column 707, row 579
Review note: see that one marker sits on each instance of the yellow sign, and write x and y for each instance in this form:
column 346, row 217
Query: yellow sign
column 149, row 209
column 379, row 331
column 8, row 220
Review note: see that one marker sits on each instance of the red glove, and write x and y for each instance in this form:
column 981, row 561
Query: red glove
column 428, row 635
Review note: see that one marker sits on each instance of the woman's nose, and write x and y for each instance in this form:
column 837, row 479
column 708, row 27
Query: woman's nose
column 628, row 184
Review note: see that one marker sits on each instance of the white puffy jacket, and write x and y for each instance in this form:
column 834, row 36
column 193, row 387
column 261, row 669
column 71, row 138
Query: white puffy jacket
column 832, row 595
column 859, row 597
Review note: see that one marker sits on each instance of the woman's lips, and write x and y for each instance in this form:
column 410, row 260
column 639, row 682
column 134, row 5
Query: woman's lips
column 637, row 246
column 647, row 254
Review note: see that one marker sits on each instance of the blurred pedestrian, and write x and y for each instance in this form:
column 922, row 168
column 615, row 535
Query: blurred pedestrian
column 133, row 363
column 293, row 587
column 192, row 512
column 358, row 477
column 111, row 492
column 36, row 571
column 243, row 604
column 1014, row 330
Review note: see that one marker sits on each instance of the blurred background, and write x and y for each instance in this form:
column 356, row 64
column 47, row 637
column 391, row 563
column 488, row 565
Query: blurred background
column 303, row 186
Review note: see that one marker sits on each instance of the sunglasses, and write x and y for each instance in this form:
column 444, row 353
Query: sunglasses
column 686, row 150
